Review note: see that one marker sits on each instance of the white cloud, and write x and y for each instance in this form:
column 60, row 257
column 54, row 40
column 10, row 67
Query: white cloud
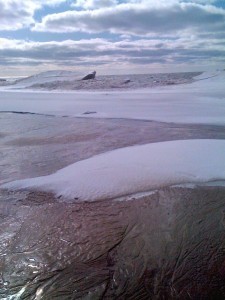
column 93, row 15
column 16, row 14
column 170, row 32
column 168, row 2
column 92, row 4
column 102, row 51
column 145, row 18
column 201, row 1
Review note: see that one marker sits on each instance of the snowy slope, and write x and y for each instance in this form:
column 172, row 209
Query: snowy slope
column 46, row 77
column 66, row 80
column 134, row 169
column 207, row 75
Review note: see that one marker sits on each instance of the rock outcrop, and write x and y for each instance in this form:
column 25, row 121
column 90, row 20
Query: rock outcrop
column 90, row 76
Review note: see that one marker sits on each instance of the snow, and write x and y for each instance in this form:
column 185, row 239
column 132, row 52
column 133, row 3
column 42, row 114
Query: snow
column 207, row 75
column 45, row 77
column 201, row 102
column 68, row 80
column 133, row 170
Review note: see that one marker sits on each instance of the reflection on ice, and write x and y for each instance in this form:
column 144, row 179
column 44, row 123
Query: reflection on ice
column 169, row 245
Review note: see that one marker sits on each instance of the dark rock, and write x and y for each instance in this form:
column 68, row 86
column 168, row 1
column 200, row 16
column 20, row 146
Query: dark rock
column 89, row 112
column 90, row 76
column 126, row 81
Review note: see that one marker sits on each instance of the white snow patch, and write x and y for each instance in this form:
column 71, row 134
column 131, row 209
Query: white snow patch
column 207, row 75
column 45, row 77
column 134, row 169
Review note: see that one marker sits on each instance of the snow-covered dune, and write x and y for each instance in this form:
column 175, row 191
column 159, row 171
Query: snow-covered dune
column 67, row 80
column 207, row 75
column 134, row 169
column 45, row 77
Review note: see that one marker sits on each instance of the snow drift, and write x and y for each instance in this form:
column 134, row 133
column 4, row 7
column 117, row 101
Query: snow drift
column 134, row 169
column 45, row 77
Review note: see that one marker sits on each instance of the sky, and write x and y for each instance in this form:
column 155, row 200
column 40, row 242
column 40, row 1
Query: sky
column 111, row 36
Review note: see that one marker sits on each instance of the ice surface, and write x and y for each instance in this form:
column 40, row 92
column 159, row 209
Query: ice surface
column 202, row 102
column 134, row 169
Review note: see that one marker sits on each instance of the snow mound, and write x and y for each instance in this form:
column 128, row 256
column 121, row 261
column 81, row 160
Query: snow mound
column 46, row 77
column 209, row 75
column 68, row 81
column 134, row 169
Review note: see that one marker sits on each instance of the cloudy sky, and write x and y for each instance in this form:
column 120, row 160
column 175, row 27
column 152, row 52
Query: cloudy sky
column 111, row 36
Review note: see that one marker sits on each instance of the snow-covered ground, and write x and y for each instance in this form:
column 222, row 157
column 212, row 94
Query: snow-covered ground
column 201, row 102
column 41, row 78
column 67, row 80
column 134, row 169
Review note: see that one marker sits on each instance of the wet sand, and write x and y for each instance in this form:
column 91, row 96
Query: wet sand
column 166, row 245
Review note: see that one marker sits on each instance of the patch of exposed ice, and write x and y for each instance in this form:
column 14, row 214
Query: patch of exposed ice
column 218, row 183
column 134, row 169
column 16, row 296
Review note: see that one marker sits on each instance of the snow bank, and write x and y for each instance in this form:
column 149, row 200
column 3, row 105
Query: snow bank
column 207, row 75
column 202, row 102
column 134, row 169
column 45, row 77
column 67, row 80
